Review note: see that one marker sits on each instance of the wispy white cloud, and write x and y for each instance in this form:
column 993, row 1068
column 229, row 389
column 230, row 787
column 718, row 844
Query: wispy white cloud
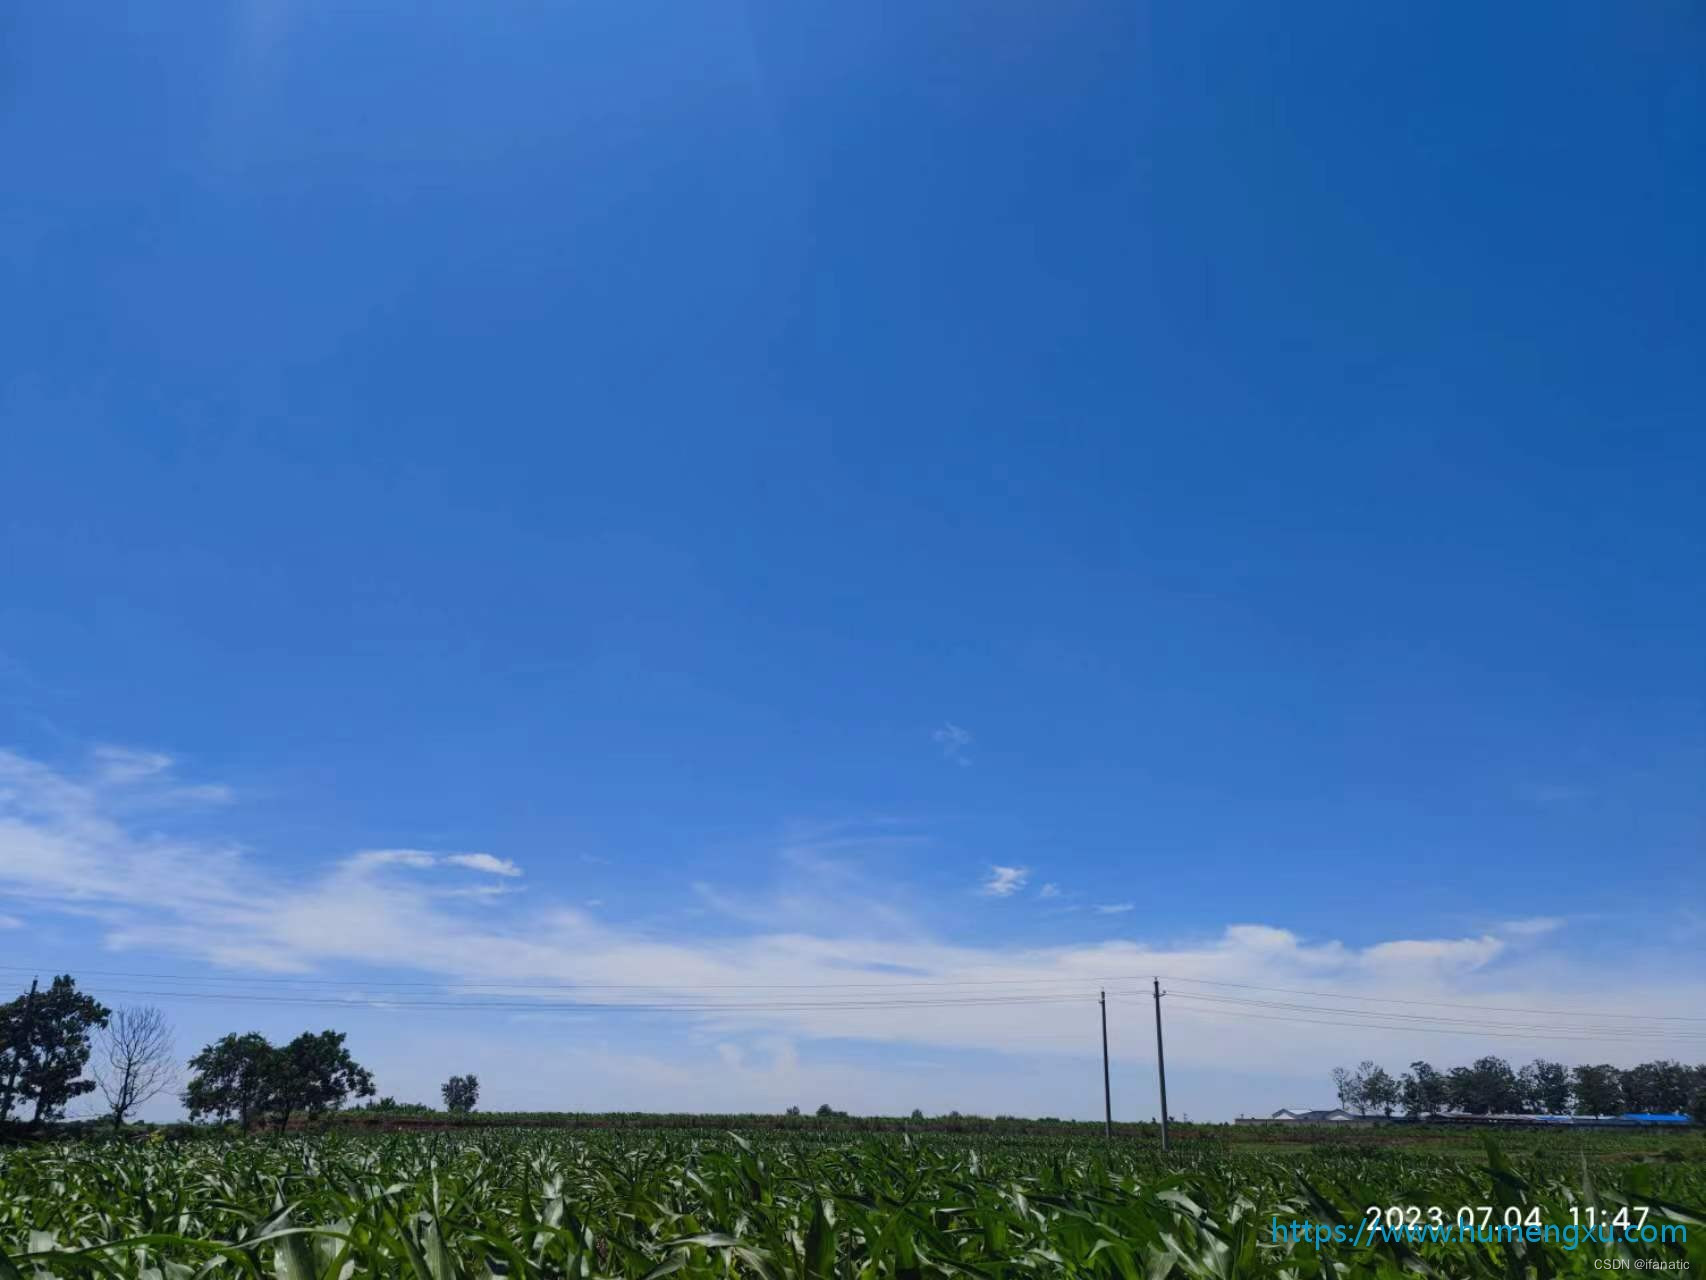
column 122, row 765
column 953, row 740
column 1050, row 890
column 422, row 860
column 1455, row 955
column 1004, row 882
column 482, row 862
column 1113, row 908
column 142, row 777
column 394, row 858
column 1532, row 927
column 11, row 922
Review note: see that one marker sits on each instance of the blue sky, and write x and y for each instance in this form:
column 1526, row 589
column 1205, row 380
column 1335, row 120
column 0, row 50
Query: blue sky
column 909, row 489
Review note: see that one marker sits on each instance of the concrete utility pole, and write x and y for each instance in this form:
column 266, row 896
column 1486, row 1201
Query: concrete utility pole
column 1161, row 1064
column 1107, row 1093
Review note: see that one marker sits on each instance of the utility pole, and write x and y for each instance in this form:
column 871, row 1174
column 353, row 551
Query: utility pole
column 1107, row 1093
column 1161, row 1063
column 18, row 1053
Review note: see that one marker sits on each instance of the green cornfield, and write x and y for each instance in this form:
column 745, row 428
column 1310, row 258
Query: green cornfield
column 539, row 1203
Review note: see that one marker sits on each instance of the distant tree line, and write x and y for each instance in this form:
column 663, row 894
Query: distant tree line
column 248, row 1079
column 50, row 1035
column 1491, row 1086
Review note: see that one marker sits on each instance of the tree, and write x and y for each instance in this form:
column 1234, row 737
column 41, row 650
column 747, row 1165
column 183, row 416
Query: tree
column 793, row 1111
column 1349, row 1088
column 918, row 1113
column 134, row 1062
column 232, row 1080
column 1598, row 1089
column 245, row 1077
column 314, row 1074
column 44, row 1046
column 1496, row 1084
column 1488, row 1086
column 461, row 1092
column 1663, row 1086
column 1379, row 1090
column 14, row 1048
column 1697, row 1108
column 1545, row 1087
column 1423, row 1090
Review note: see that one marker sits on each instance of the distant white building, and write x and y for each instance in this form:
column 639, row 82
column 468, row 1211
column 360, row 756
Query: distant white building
column 1300, row 1115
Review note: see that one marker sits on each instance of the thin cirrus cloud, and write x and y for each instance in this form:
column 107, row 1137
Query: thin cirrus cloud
column 1532, row 927
column 121, row 765
column 1004, row 882
column 422, row 860
column 1113, row 908
column 147, row 777
column 482, row 862
column 953, row 740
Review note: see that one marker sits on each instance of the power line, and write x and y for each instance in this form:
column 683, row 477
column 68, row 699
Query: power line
column 597, row 1006
column 862, row 997
column 1439, row 1004
column 1419, row 1030
column 374, row 997
column 474, row 984
column 1625, row 1030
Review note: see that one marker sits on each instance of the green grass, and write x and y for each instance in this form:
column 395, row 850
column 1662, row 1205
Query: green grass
column 796, row 1203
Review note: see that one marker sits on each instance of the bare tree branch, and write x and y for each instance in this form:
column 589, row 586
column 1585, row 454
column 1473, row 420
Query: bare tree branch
column 136, row 1060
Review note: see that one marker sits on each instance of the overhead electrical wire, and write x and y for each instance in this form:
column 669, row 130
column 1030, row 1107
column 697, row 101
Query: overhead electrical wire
column 1077, row 980
column 1427, row 1018
column 356, row 1000
column 472, row 986
column 1365, row 1023
column 1437, row 1004
column 472, row 995
column 1447, row 1031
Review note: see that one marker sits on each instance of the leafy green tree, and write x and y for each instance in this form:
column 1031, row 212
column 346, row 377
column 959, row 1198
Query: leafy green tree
column 232, row 1079
column 1486, row 1087
column 1422, row 1090
column 1379, row 1090
column 1598, row 1089
column 461, row 1093
column 244, row 1077
column 44, row 1047
column 314, row 1074
column 1545, row 1087
column 1663, row 1085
